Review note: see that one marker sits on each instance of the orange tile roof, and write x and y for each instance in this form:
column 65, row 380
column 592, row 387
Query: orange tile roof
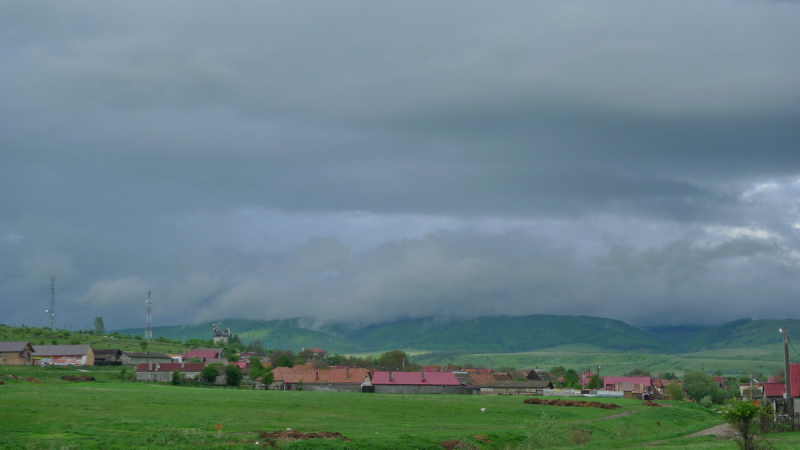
column 327, row 376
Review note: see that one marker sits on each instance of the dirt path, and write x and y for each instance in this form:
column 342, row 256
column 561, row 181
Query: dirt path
column 723, row 431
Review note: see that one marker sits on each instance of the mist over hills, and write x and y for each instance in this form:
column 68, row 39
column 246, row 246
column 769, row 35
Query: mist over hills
column 494, row 334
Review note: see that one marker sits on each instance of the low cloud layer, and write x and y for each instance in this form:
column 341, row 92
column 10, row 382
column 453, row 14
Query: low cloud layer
column 369, row 162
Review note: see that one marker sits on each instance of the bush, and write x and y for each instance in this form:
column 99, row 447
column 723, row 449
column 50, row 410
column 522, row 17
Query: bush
column 706, row 401
column 233, row 375
column 742, row 416
column 177, row 377
column 699, row 385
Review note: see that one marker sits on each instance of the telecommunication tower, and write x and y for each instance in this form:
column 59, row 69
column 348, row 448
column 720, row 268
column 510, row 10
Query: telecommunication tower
column 52, row 311
column 148, row 334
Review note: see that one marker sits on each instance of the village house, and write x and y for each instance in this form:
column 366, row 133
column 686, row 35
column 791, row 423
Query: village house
column 162, row 372
column 136, row 358
column 415, row 383
column 63, row 355
column 16, row 353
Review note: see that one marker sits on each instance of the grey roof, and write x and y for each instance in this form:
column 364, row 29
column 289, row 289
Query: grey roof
column 61, row 350
column 13, row 346
column 106, row 351
column 536, row 384
column 540, row 374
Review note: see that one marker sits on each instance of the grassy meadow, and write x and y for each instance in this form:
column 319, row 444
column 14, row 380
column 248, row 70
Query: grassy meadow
column 110, row 413
column 732, row 362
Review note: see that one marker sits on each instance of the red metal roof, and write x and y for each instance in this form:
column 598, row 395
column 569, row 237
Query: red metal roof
column 208, row 354
column 416, row 378
column 794, row 378
column 774, row 389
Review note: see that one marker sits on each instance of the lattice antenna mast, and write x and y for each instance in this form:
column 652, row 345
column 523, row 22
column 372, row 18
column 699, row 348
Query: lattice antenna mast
column 148, row 334
column 52, row 311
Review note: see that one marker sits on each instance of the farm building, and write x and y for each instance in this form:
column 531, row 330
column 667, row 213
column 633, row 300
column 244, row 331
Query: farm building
column 347, row 379
column 415, row 383
column 16, row 353
column 136, row 358
column 63, row 355
column 530, row 387
column 163, row 371
column 107, row 357
column 635, row 385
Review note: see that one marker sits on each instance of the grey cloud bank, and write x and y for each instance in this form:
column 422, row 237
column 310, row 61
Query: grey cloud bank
column 370, row 162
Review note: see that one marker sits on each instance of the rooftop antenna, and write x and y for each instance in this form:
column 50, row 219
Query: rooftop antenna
column 148, row 334
column 52, row 311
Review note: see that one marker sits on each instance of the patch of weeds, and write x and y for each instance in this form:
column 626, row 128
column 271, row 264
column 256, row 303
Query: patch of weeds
column 544, row 432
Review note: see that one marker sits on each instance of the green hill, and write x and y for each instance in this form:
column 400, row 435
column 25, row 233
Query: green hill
column 483, row 334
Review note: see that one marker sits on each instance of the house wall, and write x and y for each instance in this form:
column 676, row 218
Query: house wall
column 74, row 360
column 512, row 391
column 128, row 361
column 327, row 387
column 415, row 389
column 16, row 359
column 162, row 376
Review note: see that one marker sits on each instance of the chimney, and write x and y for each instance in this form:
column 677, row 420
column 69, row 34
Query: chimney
column 149, row 366
column 347, row 373
column 422, row 372
column 183, row 365
column 317, row 377
column 158, row 367
column 390, row 375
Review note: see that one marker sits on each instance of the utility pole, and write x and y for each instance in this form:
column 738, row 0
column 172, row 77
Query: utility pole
column 787, row 379
column 148, row 333
column 52, row 311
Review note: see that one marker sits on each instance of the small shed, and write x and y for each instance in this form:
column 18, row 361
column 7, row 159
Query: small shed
column 17, row 353
column 107, row 357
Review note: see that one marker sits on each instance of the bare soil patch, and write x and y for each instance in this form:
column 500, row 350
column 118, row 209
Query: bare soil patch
column 77, row 378
column 457, row 444
column 578, row 403
column 292, row 435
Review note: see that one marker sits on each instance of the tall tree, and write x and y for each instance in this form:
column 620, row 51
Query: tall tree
column 99, row 326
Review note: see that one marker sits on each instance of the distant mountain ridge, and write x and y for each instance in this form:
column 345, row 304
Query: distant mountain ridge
column 493, row 334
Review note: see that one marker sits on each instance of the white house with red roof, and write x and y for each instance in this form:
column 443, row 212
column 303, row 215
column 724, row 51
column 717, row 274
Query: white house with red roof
column 415, row 382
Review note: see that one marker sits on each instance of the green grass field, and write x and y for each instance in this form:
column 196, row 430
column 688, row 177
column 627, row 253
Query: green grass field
column 114, row 414
column 731, row 362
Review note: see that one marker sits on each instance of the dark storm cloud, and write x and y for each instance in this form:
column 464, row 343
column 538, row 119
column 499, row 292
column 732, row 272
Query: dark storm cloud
column 398, row 160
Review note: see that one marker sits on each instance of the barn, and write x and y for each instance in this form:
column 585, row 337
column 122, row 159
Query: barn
column 63, row 355
column 416, row 383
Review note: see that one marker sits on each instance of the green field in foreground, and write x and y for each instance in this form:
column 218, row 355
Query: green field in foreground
column 113, row 414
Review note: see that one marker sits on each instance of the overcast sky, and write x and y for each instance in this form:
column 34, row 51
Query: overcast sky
column 373, row 161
